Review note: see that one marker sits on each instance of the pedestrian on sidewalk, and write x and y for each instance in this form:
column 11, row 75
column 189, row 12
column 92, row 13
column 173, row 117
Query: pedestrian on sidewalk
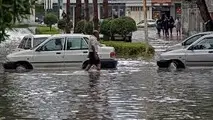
column 178, row 25
column 166, row 26
column 171, row 23
column 93, row 52
column 162, row 23
column 158, row 25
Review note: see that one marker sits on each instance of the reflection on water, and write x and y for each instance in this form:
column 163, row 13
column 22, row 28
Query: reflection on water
column 136, row 90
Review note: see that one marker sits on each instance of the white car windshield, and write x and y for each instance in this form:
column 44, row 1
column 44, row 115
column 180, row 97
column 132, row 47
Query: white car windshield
column 38, row 41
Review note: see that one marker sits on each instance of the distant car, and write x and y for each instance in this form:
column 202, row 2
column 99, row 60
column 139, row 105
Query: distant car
column 150, row 23
column 198, row 54
column 188, row 41
column 60, row 51
column 31, row 41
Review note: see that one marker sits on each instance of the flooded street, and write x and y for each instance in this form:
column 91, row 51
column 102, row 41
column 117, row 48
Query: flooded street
column 137, row 90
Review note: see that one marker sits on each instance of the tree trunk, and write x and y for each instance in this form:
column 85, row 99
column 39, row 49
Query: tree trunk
column 77, row 12
column 68, row 7
column 205, row 14
column 95, row 18
column 86, row 2
column 106, row 8
column 68, row 17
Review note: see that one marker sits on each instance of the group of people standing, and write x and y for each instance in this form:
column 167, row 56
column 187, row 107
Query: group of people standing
column 166, row 25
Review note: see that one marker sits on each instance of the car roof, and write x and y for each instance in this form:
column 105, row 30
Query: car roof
column 71, row 35
column 209, row 32
column 209, row 35
column 38, row 36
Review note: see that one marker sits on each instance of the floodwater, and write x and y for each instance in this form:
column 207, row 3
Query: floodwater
column 137, row 90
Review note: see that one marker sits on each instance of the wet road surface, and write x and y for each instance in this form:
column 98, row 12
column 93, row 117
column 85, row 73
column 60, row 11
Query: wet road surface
column 137, row 90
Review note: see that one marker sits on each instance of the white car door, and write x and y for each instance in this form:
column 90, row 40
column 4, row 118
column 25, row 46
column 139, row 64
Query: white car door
column 76, row 51
column 202, row 54
column 50, row 54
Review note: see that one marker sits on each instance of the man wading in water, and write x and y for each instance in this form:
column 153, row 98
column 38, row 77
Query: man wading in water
column 93, row 52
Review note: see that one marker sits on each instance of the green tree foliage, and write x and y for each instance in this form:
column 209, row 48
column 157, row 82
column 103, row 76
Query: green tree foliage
column 64, row 25
column 89, row 27
column 105, row 27
column 122, row 26
column 50, row 19
column 84, row 27
column 12, row 11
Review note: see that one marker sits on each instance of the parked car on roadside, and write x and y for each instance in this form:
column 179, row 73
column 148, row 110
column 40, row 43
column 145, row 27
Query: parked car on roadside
column 60, row 51
column 31, row 41
column 199, row 53
column 150, row 23
column 188, row 41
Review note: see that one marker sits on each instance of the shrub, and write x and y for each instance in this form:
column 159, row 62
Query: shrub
column 50, row 19
column 84, row 27
column 123, row 26
column 89, row 28
column 105, row 27
column 133, row 50
column 80, row 26
column 46, row 30
column 62, row 24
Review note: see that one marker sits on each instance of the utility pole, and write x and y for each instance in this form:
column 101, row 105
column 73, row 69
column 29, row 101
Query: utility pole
column 145, row 21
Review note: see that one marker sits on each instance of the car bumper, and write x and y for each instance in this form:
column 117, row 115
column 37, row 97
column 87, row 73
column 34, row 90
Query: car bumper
column 9, row 65
column 163, row 63
column 109, row 63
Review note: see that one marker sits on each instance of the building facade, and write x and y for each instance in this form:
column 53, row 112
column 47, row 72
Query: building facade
column 167, row 7
column 131, row 8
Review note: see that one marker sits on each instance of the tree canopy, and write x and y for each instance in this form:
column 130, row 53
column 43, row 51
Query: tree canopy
column 50, row 19
column 12, row 11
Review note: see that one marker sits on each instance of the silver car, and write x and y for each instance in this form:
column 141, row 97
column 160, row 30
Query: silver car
column 199, row 53
column 188, row 41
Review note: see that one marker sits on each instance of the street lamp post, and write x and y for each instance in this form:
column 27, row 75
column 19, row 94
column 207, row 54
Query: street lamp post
column 145, row 21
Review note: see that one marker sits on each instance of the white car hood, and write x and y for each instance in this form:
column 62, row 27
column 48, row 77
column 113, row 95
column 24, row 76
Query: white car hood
column 20, row 53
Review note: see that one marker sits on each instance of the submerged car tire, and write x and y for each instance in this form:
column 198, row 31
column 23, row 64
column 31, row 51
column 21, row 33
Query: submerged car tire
column 23, row 67
column 176, row 64
column 173, row 65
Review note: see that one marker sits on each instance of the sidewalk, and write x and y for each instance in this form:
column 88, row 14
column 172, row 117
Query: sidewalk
column 159, row 43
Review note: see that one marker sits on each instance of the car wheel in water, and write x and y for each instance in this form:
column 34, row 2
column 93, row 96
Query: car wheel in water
column 21, row 68
column 173, row 66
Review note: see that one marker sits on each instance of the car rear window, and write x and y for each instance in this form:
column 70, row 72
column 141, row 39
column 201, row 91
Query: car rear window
column 25, row 43
column 38, row 41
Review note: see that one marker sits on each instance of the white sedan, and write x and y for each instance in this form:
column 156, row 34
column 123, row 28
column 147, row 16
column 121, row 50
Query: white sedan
column 60, row 51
